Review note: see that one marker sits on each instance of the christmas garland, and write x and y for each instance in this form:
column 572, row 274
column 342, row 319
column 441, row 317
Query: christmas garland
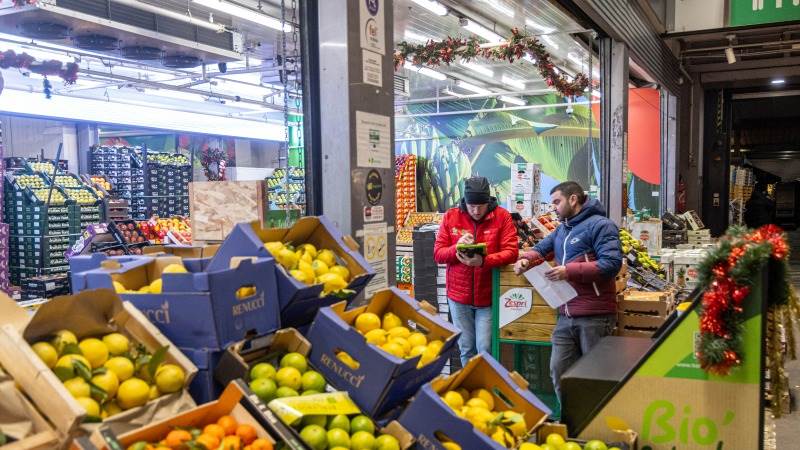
column 216, row 156
column 68, row 72
column 728, row 273
column 435, row 53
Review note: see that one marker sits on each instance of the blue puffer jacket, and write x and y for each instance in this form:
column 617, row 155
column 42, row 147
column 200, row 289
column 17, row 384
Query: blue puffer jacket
column 588, row 245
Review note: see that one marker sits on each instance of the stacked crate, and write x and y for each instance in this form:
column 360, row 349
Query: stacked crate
column 641, row 313
column 115, row 164
column 286, row 189
column 166, row 188
column 526, row 181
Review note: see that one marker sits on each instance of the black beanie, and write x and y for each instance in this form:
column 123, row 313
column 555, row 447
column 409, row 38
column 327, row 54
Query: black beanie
column 476, row 191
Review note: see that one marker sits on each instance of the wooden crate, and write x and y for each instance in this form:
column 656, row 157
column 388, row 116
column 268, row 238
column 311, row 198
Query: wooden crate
column 217, row 206
column 648, row 303
column 536, row 325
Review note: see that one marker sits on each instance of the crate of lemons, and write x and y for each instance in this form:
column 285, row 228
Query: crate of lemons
column 294, row 377
column 390, row 335
column 311, row 266
column 156, row 286
column 109, row 374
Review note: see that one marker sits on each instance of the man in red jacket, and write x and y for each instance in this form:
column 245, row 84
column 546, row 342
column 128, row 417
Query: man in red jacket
column 478, row 219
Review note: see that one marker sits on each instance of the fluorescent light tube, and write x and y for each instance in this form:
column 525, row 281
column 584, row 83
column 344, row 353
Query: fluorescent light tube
column 432, row 73
column 432, row 6
column 472, row 87
column 501, row 8
column 246, row 14
column 448, row 91
column 778, row 81
column 483, row 70
column 539, row 27
column 514, row 83
column 512, row 100
column 481, row 31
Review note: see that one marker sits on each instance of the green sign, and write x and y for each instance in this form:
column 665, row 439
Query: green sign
column 752, row 12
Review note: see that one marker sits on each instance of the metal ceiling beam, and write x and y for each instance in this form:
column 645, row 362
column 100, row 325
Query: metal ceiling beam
column 745, row 75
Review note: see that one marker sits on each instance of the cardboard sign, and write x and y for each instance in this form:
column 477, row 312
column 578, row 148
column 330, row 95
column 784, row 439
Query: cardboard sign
column 217, row 206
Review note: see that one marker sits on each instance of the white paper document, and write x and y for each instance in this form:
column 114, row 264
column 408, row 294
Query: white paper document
column 555, row 293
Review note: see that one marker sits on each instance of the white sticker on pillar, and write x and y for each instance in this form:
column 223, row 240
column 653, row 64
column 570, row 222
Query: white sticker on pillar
column 376, row 250
column 373, row 32
column 373, row 147
column 373, row 68
column 514, row 304
column 373, row 213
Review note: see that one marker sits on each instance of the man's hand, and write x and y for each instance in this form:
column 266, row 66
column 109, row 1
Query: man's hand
column 557, row 273
column 475, row 261
column 466, row 239
column 521, row 266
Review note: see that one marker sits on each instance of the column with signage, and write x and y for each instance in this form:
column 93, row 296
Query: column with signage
column 357, row 127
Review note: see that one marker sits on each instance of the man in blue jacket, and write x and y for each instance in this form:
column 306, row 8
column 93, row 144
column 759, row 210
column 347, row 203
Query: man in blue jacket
column 587, row 255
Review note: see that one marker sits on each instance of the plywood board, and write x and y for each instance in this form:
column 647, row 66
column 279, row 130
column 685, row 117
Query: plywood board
column 217, row 206
column 527, row 332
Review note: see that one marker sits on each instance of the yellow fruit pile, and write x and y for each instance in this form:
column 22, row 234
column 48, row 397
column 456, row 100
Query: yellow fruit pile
column 156, row 286
column 391, row 336
column 507, row 428
column 310, row 266
column 109, row 374
column 632, row 245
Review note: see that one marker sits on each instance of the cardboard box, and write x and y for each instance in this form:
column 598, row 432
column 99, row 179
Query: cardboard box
column 382, row 381
column 649, row 233
column 299, row 302
column 624, row 440
column 236, row 401
column 203, row 387
column 196, row 258
column 195, row 309
column 521, row 204
column 525, row 178
column 92, row 313
column 236, row 361
column 40, row 385
column 429, row 419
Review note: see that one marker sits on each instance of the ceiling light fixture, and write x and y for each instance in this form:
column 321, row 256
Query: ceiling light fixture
column 778, row 81
column 472, row 87
column 250, row 15
column 481, row 31
column 448, row 91
column 432, row 73
column 432, row 6
column 501, row 8
column 543, row 29
column 729, row 54
column 512, row 100
column 483, row 70
column 513, row 82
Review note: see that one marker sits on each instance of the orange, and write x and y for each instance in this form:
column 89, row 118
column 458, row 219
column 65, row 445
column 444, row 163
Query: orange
column 214, row 430
column 208, row 440
column 176, row 438
column 261, row 444
column 247, row 433
column 228, row 424
column 232, row 443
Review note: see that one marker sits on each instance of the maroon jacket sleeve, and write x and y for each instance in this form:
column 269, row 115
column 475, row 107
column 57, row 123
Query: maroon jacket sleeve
column 509, row 248
column 444, row 251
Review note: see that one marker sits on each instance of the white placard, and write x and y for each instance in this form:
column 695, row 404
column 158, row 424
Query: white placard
column 373, row 213
column 372, row 66
column 376, row 249
column 373, row 33
column 555, row 293
column 372, row 140
column 515, row 303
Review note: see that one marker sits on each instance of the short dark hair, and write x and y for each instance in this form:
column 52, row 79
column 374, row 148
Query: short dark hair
column 570, row 188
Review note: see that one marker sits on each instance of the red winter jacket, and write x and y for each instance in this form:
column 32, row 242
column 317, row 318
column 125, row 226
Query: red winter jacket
column 473, row 285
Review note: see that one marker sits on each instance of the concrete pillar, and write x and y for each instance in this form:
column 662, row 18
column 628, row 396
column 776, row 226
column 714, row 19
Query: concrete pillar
column 614, row 126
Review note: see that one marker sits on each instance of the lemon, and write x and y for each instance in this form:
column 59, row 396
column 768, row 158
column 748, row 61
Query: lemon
column 332, row 282
column 175, row 268
column 274, row 247
column 518, row 427
column 464, row 393
column 110, row 409
column 555, row 440
column 328, row 257
column 169, row 378
column 108, row 382
column 67, row 365
column 306, row 258
column 390, row 320
column 132, row 393
column 320, row 268
column 47, row 353
column 286, row 258
column 403, row 343
column 156, row 286
column 401, row 332
column 300, row 276
column 484, row 395
column 95, row 351
column 529, row 446
column 144, row 290
column 366, row 322
column 121, row 366
column 117, row 344
column 477, row 403
column 451, row 446
column 453, row 399
column 348, row 360
column 417, row 339
column 63, row 338
column 428, row 356
column 154, row 394
column 342, row 271
column 305, row 267
column 416, row 351
column 91, row 406
column 309, row 249
column 119, row 288
column 376, row 336
column 436, row 345
column 393, row 348
column 78, row 387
